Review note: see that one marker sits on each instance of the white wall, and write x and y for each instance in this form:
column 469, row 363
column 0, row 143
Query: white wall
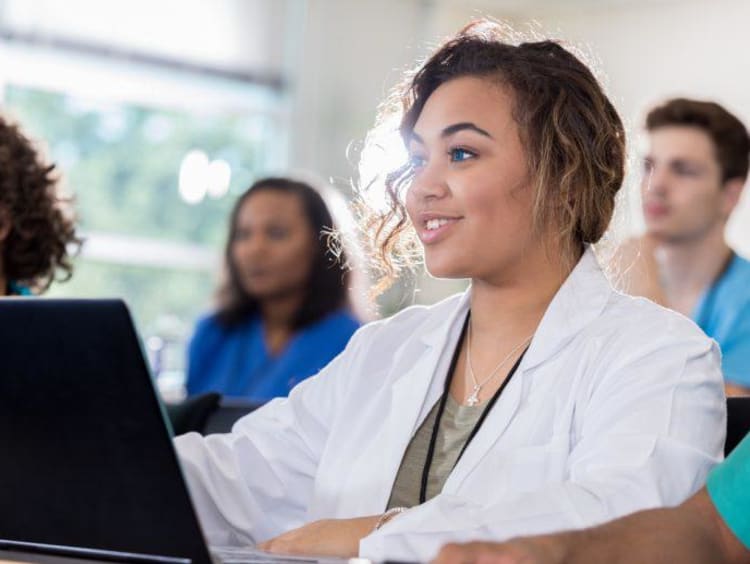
column 352, row 53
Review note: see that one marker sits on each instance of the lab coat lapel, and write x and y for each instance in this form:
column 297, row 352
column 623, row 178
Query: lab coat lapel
column 492, row 429
column 579, row 301
column 416, row 390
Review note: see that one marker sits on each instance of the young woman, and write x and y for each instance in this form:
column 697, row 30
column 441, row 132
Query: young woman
column 36, row 229
column 283, row 311
column 539, row 400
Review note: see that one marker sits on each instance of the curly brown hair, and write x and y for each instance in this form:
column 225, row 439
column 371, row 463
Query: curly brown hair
column 40, row 226
column 573, row 137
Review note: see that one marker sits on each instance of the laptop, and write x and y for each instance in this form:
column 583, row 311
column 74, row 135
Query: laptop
column 87, row 465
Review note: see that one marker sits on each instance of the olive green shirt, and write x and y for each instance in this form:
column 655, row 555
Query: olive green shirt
column 456, row 425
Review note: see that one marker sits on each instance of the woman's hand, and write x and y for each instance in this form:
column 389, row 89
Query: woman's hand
column 329, row 537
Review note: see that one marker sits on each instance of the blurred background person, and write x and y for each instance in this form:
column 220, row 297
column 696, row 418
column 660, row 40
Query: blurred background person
column 693, row 177
column 36, row 229
column 284, row 309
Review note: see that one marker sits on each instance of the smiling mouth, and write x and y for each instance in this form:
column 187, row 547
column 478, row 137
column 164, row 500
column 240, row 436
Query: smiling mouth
column 434, row 224
column 435, row 229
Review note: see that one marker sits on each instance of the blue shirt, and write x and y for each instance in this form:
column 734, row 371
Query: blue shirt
column 729, row 487
column 723, row 312
column 235, row 362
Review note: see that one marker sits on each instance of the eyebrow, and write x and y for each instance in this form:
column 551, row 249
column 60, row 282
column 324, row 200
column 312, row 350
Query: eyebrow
column 456, row 127
column 677, row 161
column 452, row 129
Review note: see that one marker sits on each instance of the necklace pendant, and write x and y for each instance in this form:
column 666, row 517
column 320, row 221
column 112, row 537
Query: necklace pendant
column 473, row 399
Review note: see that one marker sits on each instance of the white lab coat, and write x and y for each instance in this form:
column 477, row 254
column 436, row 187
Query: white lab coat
column 618, row 405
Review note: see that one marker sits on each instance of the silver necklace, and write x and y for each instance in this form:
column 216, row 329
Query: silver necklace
column 473, row 398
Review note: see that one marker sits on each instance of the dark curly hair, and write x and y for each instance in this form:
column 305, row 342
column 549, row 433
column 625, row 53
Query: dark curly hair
column 573, row 137
column 40, row 227
column 327, row 288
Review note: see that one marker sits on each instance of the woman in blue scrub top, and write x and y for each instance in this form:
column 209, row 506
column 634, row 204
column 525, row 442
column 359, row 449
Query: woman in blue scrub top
column 37, row 230
column 283, row 312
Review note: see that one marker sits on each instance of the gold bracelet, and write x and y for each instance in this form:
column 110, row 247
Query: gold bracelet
column 388, row 515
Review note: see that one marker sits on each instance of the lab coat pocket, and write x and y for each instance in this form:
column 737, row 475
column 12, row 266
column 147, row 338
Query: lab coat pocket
column 531, row 468
column 507, row 472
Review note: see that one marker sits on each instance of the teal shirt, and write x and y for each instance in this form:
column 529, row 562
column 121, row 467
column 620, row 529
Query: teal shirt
column 729, row 487
column 16, row 289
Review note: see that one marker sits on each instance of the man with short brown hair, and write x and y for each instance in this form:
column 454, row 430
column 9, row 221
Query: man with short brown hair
column 693, row 176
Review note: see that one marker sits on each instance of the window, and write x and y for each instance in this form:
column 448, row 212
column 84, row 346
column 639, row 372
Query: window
column 153, row 182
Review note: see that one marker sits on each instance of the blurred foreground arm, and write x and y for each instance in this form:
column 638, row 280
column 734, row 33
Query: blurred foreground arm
column 692, row 533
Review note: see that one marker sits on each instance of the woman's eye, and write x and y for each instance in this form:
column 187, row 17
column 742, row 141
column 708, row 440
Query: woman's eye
column 459, row 155
column 241, row 235
column 277, row 233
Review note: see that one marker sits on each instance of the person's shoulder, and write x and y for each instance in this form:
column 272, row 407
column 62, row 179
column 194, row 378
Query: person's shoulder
column 17, row 289
column 413, row 320
column 742, row 263
column 331, row 332
column 206, row 331
column 739, row 277
column 641, row 342
column 210, row 324
column 420, row 313
column 207, row 323
column 377, row 340
column 340, row 320
column 640, row 320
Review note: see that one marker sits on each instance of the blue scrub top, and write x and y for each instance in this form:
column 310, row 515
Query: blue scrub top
column 235, row 362
column 723, row 312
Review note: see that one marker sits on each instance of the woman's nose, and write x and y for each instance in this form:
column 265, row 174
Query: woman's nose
column 429, row 182
column 252, row 248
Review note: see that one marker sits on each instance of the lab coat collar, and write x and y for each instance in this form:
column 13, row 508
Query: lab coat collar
column 440, row 327
column 578, row 302
column 580, row 299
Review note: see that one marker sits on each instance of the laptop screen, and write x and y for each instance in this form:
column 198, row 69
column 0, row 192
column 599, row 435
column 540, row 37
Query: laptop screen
column 87, row 457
